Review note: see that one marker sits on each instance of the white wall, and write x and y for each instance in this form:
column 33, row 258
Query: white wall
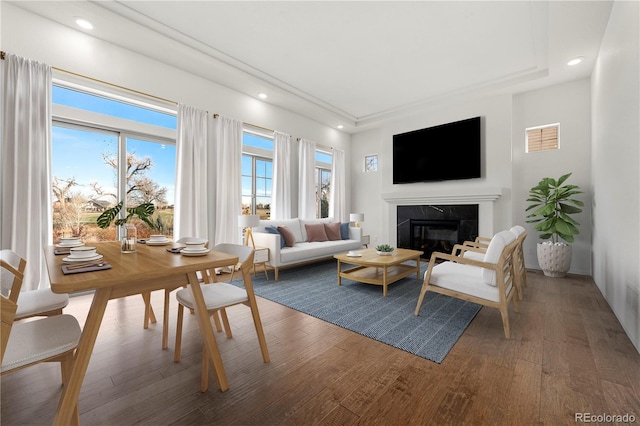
column 616, row 164
column 570, row 105
column 33, row 37
column 368, row 188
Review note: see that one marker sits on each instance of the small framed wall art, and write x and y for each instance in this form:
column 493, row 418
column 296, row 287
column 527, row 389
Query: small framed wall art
column 371, row 163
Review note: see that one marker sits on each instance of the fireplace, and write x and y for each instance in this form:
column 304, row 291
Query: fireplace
column 430, row 228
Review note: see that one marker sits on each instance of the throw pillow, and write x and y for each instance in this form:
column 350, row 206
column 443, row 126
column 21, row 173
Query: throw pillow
column 316, row 232
column 289, row 238
column 274, row 230
column 333, row 231
column 344, row 230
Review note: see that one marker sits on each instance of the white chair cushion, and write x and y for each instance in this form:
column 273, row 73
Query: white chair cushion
column 517, row 230
column 216, row 295
column 496, row 246
column 37, row 301
column 34, row 341
column 474, row 255
column 465, row 279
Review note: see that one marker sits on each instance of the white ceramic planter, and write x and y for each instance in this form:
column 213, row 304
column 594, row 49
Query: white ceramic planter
column 554, row 260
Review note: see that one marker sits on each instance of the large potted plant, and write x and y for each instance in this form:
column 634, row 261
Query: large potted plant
column 552, row 204
column 144, row 212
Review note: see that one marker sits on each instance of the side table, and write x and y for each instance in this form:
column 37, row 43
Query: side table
column 261, row 257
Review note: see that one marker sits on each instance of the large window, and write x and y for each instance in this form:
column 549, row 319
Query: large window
column 323, row 183
column 105, row 150
column 257, row 174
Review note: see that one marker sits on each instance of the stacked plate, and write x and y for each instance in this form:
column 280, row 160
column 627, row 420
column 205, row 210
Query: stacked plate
column 69, row 242
column 194, row 250
column 82, row 254
column 158, row 240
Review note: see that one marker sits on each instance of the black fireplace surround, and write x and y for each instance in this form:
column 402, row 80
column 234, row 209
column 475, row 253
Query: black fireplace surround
column 430, row 228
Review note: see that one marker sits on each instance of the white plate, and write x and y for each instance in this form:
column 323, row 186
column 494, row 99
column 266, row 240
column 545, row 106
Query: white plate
column 82, row 259
column 188, row 250
column 354, row 255
column 158, row 243
column 69, row 245
column 194, row 253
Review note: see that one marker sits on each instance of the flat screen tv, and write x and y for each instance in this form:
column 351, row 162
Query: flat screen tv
column 446, row 152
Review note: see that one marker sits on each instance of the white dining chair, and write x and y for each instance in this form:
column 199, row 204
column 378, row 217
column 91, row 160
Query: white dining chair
column 167, row 299
column 221, row 295
column 30, row 303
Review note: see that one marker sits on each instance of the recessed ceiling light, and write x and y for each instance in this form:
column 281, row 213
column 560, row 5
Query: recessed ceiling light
column 83, row 23
column 575, row 61
column 340, row 126
column 262, row 96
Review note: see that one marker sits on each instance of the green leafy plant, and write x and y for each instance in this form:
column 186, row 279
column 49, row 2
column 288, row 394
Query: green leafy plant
column 552, row 203
column 143, row 212
column 386, row 248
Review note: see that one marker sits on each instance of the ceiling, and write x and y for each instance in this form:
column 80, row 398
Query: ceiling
column 354, row 63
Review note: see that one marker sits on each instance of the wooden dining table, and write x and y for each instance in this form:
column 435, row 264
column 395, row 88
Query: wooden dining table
column 149, row 268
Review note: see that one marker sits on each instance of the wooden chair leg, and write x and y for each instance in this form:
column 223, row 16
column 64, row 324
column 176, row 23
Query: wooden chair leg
column 504, row 312
column 177, row 349
column 259, row 331
column 204, row 377
column 423, row 292
column 225, row 321
column 165, row 320
column 216, row 321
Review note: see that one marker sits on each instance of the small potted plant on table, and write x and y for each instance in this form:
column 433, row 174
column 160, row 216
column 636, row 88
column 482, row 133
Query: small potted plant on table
column 552, row 203
column 384, row 250
column 143, row 212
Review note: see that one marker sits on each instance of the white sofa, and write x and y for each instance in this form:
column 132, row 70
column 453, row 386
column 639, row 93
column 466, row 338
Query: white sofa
column 303, row 251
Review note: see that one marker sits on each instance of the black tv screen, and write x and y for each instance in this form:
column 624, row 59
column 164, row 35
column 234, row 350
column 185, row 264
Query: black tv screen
column 446, row 152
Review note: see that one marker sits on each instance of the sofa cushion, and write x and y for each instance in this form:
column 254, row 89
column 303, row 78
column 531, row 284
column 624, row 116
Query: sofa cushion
column 316, row 232
column 303, row 222
column 344, row 230
column 274, row 230
column 303, row 252
column 289, row 237
column 333, row 231
column 292, row 224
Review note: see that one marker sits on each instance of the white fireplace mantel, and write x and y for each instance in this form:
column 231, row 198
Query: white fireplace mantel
column 484, row 197
column 449, row 196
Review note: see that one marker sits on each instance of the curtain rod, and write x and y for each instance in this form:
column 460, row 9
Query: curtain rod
column 3, row 53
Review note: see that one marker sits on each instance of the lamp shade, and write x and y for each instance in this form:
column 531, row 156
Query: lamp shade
column 356, row 217
column 248, row 220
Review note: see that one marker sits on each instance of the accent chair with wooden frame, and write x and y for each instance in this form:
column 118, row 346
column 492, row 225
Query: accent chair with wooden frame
column 489, row 282
column 476, row 249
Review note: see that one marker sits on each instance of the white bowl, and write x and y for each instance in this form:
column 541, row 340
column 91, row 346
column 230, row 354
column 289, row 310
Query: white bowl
column 82, row 252
column 68, row 241
column 352, row 253
column 195, row 244
column 157, row 237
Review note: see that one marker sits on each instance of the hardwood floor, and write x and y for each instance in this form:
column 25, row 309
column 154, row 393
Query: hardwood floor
column 568, row 354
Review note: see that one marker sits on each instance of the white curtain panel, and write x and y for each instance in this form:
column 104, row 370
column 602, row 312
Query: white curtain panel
column 194, row 180
column 26, row 164
column 338, row 199
column 281, row 186
column 229, row 179
column 307, row 188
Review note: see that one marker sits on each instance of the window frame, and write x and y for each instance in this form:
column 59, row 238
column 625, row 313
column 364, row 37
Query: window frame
column 543, row 146
column 256, row 153
column 81, row 119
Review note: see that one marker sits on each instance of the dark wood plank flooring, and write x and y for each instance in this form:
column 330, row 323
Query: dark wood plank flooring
column 568, row 354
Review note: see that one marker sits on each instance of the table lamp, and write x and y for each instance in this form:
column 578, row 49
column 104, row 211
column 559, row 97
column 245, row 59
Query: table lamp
column 248, row 221
column 357, row 218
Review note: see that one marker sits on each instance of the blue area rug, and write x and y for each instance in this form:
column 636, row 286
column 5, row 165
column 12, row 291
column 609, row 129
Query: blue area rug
column 314, row 290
